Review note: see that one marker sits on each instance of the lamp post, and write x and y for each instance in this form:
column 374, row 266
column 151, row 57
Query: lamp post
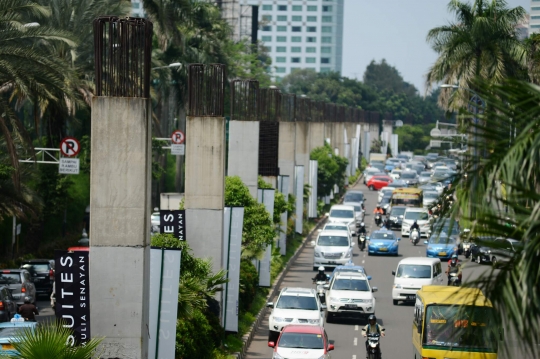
column 174, row 64
column 476, row 98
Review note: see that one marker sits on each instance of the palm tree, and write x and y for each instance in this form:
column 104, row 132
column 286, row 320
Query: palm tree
column 481, row 43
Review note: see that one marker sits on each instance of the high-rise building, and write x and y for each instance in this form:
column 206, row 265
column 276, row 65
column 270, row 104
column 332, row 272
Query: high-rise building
column 137, row 9
column 534, row 20
column 301, row 34
column 522, row 28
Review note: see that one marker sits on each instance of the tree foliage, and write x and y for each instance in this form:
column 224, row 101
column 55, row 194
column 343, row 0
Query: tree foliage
column 381, row 76
column 331, row 169
column 411, row 138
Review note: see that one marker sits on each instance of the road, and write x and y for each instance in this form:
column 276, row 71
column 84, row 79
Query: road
column 397, row 320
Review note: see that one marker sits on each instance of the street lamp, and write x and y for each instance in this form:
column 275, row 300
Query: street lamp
column 174, row 64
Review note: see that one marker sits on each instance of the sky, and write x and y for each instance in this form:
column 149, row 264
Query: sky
column 395, row 30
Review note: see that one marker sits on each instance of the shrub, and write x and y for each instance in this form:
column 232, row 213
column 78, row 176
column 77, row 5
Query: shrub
column 249, row 281
column 194, row 337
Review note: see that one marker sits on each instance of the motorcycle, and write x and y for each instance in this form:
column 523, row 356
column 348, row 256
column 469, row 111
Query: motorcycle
column 362, row 241
column 415, row 236
column 374, row 350
column 321, row 292
column 467, row 249
column 453, row 279
column 378, row 219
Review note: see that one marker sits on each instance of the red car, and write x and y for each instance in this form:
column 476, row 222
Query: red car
column 301, row 341
column 378, row 182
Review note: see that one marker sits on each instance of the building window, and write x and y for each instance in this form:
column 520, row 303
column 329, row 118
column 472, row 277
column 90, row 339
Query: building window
column 296, row 39
column 135, row 5
column 326, row 40
column 535, row 17
column 267, row 7
column 281, row 59
column 296, row 49
column 326, row 50
column 297, row 8
column 266, row 28
column 295, row 60
column 282, row 7
column 297, row 18
column 327, row 8
column 311, row 39
column 282, row 28
column 535, row 8
column 282, row 18
column 281, row 49
column 325, row 69
column 311, row 60
column 279, row 79
column 297, row 29
column 280, row 70
column 312, row 18
column 325, row 29
column 281, row 39
column 293, row 69
column 327, row 19
column 266, row 38
column 311, row 50
column 535, row 26
column 267, row 17
column 325, row 60
column 311, row 29
column 312, row 8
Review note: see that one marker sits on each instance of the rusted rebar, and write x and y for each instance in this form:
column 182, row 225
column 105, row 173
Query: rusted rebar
column 244, row 100
column 288, row 107
column 206, row 90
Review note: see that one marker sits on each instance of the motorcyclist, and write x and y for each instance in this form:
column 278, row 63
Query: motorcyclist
column 454, row 266
column 321, row 276
column 362, row 230
column 378, row 210
column 415, row 226
column 372, row 328
column 28, row 311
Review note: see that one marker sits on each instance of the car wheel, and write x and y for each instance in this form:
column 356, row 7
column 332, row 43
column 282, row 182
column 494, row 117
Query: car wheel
column 273, row 336
column 395, row 301
column 479, row 260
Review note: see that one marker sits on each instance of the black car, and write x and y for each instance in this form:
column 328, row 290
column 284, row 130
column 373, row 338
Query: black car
column 42, row 272
column 8, row 306
column 395, row 217
column 493, row 250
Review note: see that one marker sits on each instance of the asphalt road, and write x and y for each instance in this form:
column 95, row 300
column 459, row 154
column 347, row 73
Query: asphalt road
column 397, row 320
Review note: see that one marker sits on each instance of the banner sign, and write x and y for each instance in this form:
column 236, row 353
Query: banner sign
column 233, row 224
column 312, row 200
column 283, row 187
column 163, row 303
column 173, row 222
column 299, row 193
column 72, row 291
column 266, row 196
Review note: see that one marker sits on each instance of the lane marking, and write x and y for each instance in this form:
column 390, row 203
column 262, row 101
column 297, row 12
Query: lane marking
column 363, row 261
column 355, row 341
column 354, row 356
column 356, row 327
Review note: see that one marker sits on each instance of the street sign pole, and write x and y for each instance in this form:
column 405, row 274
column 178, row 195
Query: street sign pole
column 177, row 143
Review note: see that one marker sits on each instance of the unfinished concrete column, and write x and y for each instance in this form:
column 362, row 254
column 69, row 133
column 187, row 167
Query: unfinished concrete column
column 316, row 135
column 287, row 139
column 269, row 115
column 205, row 162
column 388, row 128
column 120, row 188
column 243, row 157
column 303, row 119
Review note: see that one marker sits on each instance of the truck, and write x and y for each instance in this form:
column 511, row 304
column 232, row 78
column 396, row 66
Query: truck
column 377, row 157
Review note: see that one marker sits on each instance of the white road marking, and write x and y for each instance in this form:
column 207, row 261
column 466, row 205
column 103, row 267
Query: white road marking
column 363, row 261
column 354, row 357
column 356, row 327
column 355, row 341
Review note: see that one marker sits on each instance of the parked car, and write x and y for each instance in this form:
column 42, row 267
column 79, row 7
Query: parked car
column 299, row 306
column 42, row 272
column 8, row 306
column 378, row 182
column 10, row 333
column 308, row 342
column 410, row 177
column 19, row 283
column 395, row 217
column 349, row 294
column 383, row 241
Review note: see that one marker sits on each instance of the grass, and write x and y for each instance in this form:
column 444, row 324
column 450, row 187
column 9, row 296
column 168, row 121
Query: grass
column 354, row 177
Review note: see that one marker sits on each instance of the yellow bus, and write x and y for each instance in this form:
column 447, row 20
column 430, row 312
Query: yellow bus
column 412, row 197
column 454, row 322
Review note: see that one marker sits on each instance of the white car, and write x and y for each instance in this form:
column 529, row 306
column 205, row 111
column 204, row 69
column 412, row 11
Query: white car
column 425, row 177
column 439, row 187
column 337, row 227
column 421, row 216
column 300, row 306
column 430, row 197
column 332, row 248
column 349, row 295
column 383, row 191
column 343, row 214
column 358, row 211
column 370, row 172
column 396, row 173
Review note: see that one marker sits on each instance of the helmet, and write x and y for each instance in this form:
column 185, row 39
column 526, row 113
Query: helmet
column 454, row 256
column 27, row 299
column 321, row 269
column 372, row 318
column 453, row 262
column 362, row 224
column 378, row 206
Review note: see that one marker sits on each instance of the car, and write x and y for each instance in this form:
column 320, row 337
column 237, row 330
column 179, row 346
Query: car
column 447, row 226
column 420, row 215
column 396, row 173
column 300, row 341
column 494, row 251
column 439, row 187
column 450, row 163
column 338, row 227
column 383, row 241
column 410, row 177
column 404, row 157
column 358, row 211
column 398, row 184
column 395, row 217
column 383, row 191
column 430, row 198
column 8, row 306
column 378, row 182
column 419, row 168
column 412, row 273
column 424, row 177
column 349, row 294
column 300, row 306
column 19, row 282
column 441, row 173
column 370, row 172
column 379, row 165
column 42, row 272
column 155, row 222
column 441, row 246
column 428, row 187
column 392, row 163
column 343, row 214
column 354, row 196
column 349, row 267
column 385, row 202
column 332, row 248
column 10, row 333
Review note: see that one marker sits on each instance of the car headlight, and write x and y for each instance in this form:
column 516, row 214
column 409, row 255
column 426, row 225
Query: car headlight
column 393, row 218
column 317, row 254
column 279, row 319
column 348, row 254
column 277, row 356
column 313, row 321
column 334, row 299
column 429, row 248
column 367, row 301
column 397, row 286
column 455, row 249
column 395, row 244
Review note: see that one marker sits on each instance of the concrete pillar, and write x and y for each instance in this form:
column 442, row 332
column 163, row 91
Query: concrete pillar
column 388, row 127
column 302, row 147
column 374, row 130
column 339, row 143
column 205, row 186
column 287, row 151
column 316, row 135
column 120, row 187
column 243, row 158
column 329, row 132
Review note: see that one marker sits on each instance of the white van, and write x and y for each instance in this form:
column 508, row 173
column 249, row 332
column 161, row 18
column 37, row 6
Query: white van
column 412, row 273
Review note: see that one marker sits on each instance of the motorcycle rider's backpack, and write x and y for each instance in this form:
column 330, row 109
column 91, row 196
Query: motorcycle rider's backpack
column 378, row 329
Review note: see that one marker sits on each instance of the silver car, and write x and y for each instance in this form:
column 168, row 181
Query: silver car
column 425, row 177
column 410, row 177
column 19, row 283
column 332, row 248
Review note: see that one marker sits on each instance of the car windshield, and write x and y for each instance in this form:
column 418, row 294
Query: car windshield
column 10, row 278
column 301, row 340
column 382, row 179
column 387, row 191
column 418, row 216
column 297, row 302
column 333, row 241
column 408, row 175
column 385, row 200
column 36, row 267
column 425, row 174
column 336, row 227
column 11, row 332
column 431, row 195
column 351, row 284
column 341, row 213
column 382, row 236
column 442, row 239
column 351, row 269
column 354, row 197
column 397, row 211
column 413, row 271
column 397, row 172
column 440, row 173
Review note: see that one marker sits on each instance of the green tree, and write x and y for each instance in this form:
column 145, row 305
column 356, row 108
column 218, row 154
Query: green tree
column 330, row 170
column 382, row 76
column 411, row 138
column 482, row 42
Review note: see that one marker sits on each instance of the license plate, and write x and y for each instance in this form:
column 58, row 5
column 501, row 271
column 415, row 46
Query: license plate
column 350, row 306
column 332, row 262
column 411, row 297
column 383, row 249
column 7, row 347
column 442, row 254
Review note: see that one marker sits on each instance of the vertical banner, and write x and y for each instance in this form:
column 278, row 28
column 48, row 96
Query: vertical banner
column 347, row 155
column 345, row 140
column 394, row 145
column 367, row 145
column 173, row 222
column 312, row 204
column 384, row 139
column 266, row 197
column 354, row 155
column 283, row 187
column 163, row 304
column 233, row 222
column 357, row 147
column 72, row 288
column 299, row 193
